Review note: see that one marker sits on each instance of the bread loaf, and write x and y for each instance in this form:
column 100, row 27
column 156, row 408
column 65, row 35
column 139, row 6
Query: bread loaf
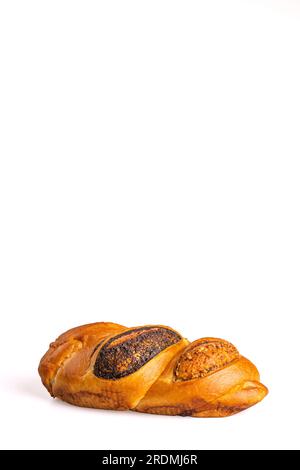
column 151, row 369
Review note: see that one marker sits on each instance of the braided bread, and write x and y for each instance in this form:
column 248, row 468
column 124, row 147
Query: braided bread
column 151, row 369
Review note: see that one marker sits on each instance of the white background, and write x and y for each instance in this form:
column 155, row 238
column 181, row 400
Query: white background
column 150, row 174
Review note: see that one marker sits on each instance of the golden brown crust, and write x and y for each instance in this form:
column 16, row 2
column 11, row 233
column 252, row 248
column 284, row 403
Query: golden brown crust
column 149, row 369
column 207, row 396
column 204, row 356
column 70, row 342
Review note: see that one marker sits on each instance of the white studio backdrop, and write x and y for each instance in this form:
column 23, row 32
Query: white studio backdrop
column 149, row 173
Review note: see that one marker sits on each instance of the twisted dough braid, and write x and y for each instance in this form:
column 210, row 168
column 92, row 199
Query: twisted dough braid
column 151, row 369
